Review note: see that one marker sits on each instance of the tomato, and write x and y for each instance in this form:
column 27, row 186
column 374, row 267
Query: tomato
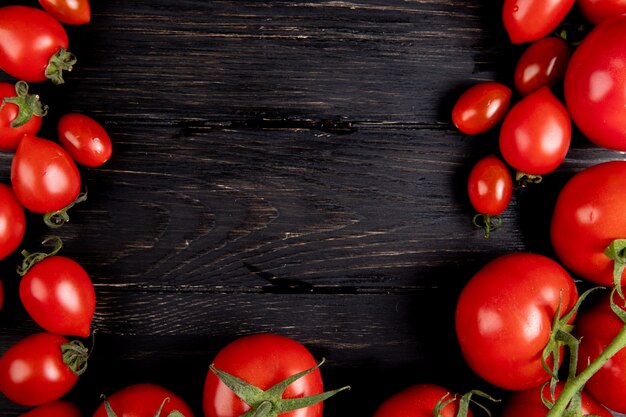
column 33, row 371
column 20, row 114
column 531, row 20
column 597, row 11
column 481, row 107
column 84, row 139
column 595, row 85
column 144, row 400
column 418, row 401
column 59, row 296
column 587, row 217
column 71, row 12
column 12, row 221
column 262, row 360
column 33, row 45
column 596, row 328
column 504, row 317
column 44, row 176
column 536, row 133
column 528, row 403
column 490, row 186
column 542, row 64
column 58, row 408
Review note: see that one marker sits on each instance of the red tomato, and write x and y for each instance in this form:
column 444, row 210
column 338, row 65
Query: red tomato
column 536, row 133
column 597, row 11
column 20, row 114
column 33, row 372
column 59, row 296
column 84, row 139
column 528, row 403
column 418, row 401
column 262, row 360
column 542, row 64
column 71, row 12
column 33, row 45
column 481, row 107
column 587, row 217
column 44, row 176
column 490, row 186
column 531, row 20
column 144, row 400
column 54, row 409
column 12, row 221
column 504, row 317
column 595, row 85
column 596, row 328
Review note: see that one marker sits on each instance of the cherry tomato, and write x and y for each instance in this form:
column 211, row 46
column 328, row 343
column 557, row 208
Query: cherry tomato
column 262, row 360
column 542, row 64
column 12, row 221
column 84, row 139
column 504, row 317
column 481, row 107
column 490, row 186
column 531, row 20
column 33, row 45
column 418, row 401
column 58, row 408
column 595, row 85
column 70, row 12
column 20, row 113
column 528, row 403
column 144, row 400
column 33, row 371
column 587, row 217
column 44, row 176
column 597, row 11
column 596, row 328
column 59, row 296
column 536, row 133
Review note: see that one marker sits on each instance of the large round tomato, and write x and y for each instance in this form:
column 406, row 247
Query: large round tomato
column 12, row 221
column 542, row 64
column 33, row 371
column 58, row 408
column 595, row 82
column 59, row 296
column 597, row 11
column 84, row 139
column 44, row 176
column 531, row 20
column 33, row 45
column 588, row 216
column 596, row 328
column 20, row 113
column 71, row 12
column 262, row 360
column 536, row 133
column 504, row 317
column 481, row 107
column 418, row 401
column 144, row 400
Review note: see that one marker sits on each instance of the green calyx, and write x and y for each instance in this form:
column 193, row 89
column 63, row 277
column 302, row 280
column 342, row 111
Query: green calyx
column 174, row 413
column 487, row 222
column 75, row 356
column 31, row 259
column 464, row 403
column 59, row 62
column 58, row 218
column 616, row 251
column 28, row 105
column 524, row 179
column 270, row 403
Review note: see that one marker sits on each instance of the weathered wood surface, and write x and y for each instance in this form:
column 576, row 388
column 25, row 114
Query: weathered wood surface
column 282, row 167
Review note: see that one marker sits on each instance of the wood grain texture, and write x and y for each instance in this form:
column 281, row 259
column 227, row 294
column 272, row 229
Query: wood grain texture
column 286, row 167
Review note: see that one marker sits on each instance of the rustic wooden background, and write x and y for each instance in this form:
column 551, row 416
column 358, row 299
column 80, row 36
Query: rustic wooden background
column 286, row 167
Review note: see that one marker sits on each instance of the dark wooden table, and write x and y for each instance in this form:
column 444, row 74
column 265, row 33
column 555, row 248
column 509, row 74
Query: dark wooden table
column 283, row 167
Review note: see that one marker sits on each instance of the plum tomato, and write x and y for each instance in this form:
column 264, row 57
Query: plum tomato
column 144, row 400
column 543, row 63
column 481, row 107
column 597, row 11
column 20, row 113
column 536, row 133
column 531, row 20
column 57, row 408
column 84, row 139
column 12, row 221
column 70, row 12
column 504, row 318
column 419, row 401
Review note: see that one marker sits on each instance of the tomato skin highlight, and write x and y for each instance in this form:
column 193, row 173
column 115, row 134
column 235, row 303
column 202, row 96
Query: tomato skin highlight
column 504, row 316
column 10, row 136
column 418, row 401
column 490, row 186
column 43, row 175
column 84, row 139
column 595, row 85
column 144, row 400
column 597, row 11
column 58, row 408
column 70, row 12
column 12, row 221
column 542, row 64
column 262, row 360
column 531, row 20
column 481, row 107
column 536, row 133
